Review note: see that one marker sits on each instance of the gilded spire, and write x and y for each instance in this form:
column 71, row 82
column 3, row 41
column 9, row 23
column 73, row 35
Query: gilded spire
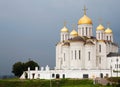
column 108, row 30
column 85, row 10
column 100, row 26
column 85, row 19
column 100, row 20
column 73, row 26
column 64, row 29
column 65, row 23
column 108, row 24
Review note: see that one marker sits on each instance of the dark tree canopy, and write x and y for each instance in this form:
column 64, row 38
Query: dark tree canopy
column 31, row 64
column 19, row 67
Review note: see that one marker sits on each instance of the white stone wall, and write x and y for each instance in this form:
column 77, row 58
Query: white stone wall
column 75, row 61
column 52, row 74
column 65, row 57
column 101, row 55
column 114, row 65
column 58, row 55
column 90, row 56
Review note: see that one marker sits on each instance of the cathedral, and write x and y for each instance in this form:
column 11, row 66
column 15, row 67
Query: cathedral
column 79, row 54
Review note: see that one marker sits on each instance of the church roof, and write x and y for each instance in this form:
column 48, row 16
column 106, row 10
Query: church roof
column 109, row 42
column 78, row 38
column 113, row 54
column 89, row 42
column 66, row 43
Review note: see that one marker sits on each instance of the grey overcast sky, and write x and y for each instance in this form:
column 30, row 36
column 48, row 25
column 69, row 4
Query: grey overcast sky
column 31, row 28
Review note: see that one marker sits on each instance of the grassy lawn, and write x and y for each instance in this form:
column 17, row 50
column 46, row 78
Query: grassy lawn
column 46, row 83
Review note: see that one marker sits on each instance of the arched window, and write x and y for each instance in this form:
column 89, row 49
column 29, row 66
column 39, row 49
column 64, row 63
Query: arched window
column 53, row 75
column 89, row 56
column 75, row 54
column 99, row 48
column 63, row 76
column 79, row 54
column 86, row 31
column 107, row 37
column 71, row 54
column 57, row 76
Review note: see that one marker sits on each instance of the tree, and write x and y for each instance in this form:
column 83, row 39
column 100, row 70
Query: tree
column 31, row 64
column 19, row 67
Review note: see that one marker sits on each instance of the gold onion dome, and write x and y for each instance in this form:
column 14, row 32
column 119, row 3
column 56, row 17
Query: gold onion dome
column 84, row 20
column 64, row 29
column 108, row 31
column 100, row 27
column 74, row 33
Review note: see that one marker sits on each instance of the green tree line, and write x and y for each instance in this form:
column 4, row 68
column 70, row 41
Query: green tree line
column 19, row 67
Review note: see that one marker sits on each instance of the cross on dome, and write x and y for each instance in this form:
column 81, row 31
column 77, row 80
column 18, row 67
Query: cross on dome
column 108, row 24
column 65, row 23
column 73, row 26
column 85, row 9
column 100, row 20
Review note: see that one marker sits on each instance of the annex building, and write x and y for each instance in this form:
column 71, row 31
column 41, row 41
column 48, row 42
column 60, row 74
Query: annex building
column 79, row 54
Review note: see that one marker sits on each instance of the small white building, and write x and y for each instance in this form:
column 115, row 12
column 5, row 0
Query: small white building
column 79, row 54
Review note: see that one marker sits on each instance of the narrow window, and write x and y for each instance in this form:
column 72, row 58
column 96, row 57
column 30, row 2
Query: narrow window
column 53, row 75
column 89, row 31
column 79, row 54
column 107, row 37
column 117, row 65
column 99, row 48
column 99, row 35
column 83, row 31
column 63, row 37
column 86, row 31
column 71, row 54
column 75, row 54
column 102, row 36
column 89, row 56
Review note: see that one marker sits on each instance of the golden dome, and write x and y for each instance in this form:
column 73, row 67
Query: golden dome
column 100, row 27
column 64, row 29
column 84, row 20
column 74, row 33
column 108, row 31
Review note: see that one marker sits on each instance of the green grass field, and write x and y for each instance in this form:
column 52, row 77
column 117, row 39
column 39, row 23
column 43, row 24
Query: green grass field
column 48, row 83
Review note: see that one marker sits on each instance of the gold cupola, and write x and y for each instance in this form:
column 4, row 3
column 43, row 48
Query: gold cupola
column 108, row 31
column 85, row 19
column 64, row 29
column 74, row 33
column 100, row 27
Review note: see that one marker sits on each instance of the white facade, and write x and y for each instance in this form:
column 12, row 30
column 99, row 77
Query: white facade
column 82, row 55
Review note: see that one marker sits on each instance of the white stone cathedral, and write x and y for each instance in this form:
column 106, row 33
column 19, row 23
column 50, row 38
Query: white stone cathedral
column 79, row 54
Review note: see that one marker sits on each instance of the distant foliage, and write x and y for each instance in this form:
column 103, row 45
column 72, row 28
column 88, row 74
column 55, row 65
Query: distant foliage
column 19, row 67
